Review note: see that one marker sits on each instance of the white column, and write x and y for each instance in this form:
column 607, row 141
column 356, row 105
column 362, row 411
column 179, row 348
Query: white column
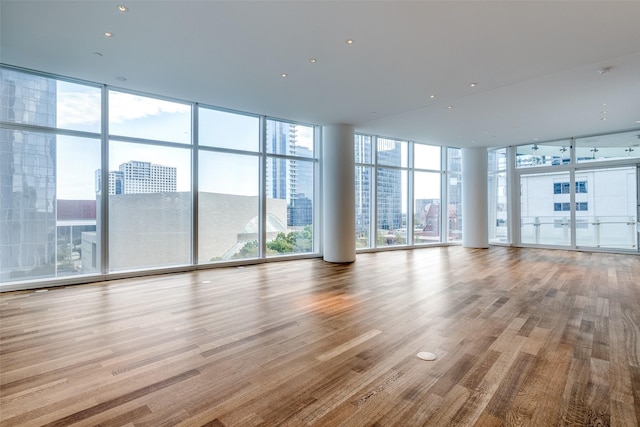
column 338, row 194
column 475, row 216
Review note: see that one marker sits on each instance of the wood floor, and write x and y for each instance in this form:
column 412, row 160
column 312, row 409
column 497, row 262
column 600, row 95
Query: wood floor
column 522, row 337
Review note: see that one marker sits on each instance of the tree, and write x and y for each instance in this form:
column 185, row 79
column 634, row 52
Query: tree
column 292, row 242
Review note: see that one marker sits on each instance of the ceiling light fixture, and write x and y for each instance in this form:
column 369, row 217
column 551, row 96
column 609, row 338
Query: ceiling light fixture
column 449, row 107
column 432, row 96
column 123, row 8
column 605, row 70
column 283, row 75
column 349, row 41
column 108, row 34
column 97, row 53
column 121, row 79
column 603, row 118
column 473, row 84
column 313, row 60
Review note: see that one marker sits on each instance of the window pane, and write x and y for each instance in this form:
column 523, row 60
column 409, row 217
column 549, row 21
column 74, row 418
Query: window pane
column 77, row 205
column 149, row 118
column 391, row 152
column 289, row 139
column 363, row 183
column 228, row 130
column 498, row 160
column 541, row 223
column 426, row 156
column 228, row 207
column 391, row 207
column 47, row 205
column 454, row 187
column 78, row 107
column 608, row 213
column 27, row 99
column 35, row 100
column 363, row 149
column 427, row 207
column 547, row 154
column 289, row 185
column 498, row 207
column 608, row 147
column 149, row 206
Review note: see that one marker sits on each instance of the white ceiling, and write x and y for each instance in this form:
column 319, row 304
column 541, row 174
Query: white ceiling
column 536, row 63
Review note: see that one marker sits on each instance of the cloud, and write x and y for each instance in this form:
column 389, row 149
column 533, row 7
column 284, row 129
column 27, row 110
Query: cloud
column 80, row 107
column 124, row 107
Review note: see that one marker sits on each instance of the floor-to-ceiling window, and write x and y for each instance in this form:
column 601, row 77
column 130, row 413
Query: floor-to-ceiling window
column 606, row 208
column 289, row 183
column 150, row 170
column 545, row 209
column 453, row 174
column 580, row 193
column 609, row 207
column 47, row 200
column 497, row 196
column 96, row 180
column 391, row 192
column 403, row 190
column 428, row 210
column 364, row 187
column 229, row 223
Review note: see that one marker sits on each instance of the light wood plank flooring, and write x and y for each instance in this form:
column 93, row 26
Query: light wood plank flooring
column 523, row 337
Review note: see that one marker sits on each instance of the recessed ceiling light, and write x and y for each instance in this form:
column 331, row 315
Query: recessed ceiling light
column 603, row 118
column 349, row 41
column 121, row 79
column 123, row 8
column 449, row 107
column 283, row 75
column 108, row 34
column 313, row 60
column 603, row 112
column 604, row 104
column 605, row 70
column 97, row 53
column 473, row 84
column 535, row 139
column 432, row 96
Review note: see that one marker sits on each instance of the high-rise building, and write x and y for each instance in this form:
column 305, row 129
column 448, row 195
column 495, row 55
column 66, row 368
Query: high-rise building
column 116, row 179
column 290, row 179
column 389, row 187
column 136, row 177
column 362, row 147
column 27, row 177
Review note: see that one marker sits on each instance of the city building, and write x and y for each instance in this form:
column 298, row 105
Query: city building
column 136, row 177
column 27, row 177
column 389, row 185
column 290, row 179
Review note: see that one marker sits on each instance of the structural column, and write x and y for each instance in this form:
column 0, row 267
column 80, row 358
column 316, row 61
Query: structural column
column 338, row 194
column 475, row 213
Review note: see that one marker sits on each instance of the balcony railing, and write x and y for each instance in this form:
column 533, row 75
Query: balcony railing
column 619, row 232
